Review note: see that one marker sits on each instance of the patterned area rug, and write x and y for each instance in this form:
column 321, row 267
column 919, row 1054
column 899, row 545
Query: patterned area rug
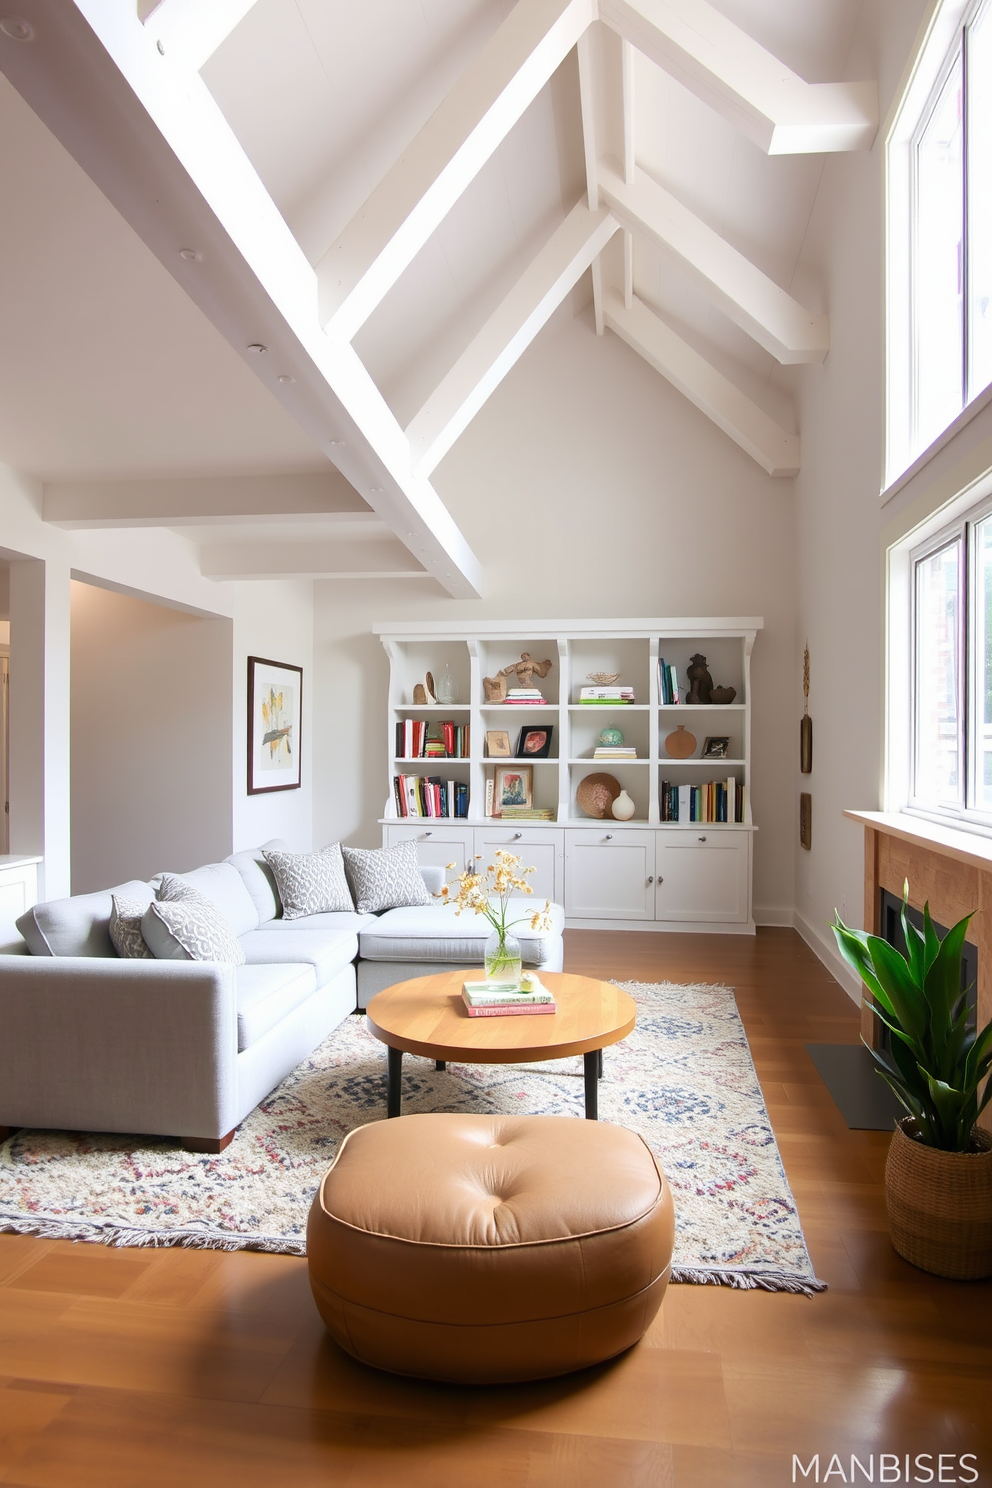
column 683, row 1079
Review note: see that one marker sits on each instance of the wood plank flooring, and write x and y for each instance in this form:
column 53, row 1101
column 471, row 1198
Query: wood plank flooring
column 141, row 1369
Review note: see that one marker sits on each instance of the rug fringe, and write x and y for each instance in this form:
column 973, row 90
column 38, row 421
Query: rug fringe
column 765, row 1281
column 120, row 1235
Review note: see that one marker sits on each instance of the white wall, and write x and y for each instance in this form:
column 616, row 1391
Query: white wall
column 150, row 735
column 837, row 504
column 590, row 488
column 267, row 619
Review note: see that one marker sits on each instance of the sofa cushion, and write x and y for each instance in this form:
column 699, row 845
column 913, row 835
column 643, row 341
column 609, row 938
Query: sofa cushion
column 310, row 883
column 190, row 929
column 79, row 926
column 438, row 934
column 385, row 877
column 266, row 994
column 256, row 875
column 125, row 928
column 223, row 885
column 327, row 951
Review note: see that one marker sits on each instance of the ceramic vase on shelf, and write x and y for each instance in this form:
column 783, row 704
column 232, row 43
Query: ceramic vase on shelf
column 502, row 959
column 623, row 807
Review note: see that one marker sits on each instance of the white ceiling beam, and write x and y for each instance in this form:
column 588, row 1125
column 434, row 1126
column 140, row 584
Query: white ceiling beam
column 148, row 132
column 385, row 559
column 775, row 450
column 417, row 193
column 758, row 94
column 753, row 301
column 194, row 29
column 197, row 501
column 507, row 334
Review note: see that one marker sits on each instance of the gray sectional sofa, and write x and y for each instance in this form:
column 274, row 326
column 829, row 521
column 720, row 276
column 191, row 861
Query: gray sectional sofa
column 186, row 1049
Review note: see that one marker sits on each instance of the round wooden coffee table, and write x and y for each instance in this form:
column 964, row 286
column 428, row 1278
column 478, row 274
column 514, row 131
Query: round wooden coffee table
column 427, row 1016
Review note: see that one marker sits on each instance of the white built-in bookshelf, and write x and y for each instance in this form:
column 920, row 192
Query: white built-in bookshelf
column 647, row 872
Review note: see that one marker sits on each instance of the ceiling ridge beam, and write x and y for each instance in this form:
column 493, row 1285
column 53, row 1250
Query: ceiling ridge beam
column 385, row 558
column 507, row 333
column 192, row 29
column 419, row 190
column 201, row 499
column 774, row 449
column 745, row 83
column 749, row 297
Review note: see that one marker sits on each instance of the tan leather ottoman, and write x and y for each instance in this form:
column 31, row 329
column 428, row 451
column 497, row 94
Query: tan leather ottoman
column 489, row 1248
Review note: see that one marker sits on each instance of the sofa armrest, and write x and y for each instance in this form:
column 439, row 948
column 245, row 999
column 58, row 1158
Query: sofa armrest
column 93, row 1044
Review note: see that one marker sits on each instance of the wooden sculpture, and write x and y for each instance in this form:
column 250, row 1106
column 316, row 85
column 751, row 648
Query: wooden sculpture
column 523, row 670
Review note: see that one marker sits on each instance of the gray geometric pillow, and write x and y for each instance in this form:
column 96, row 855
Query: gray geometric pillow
column 385, row 877
column 172, row 889
column 190, row 929
column 125, row 929
column 310, row 883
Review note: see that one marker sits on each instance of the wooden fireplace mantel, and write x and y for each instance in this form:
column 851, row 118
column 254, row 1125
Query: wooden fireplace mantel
column 950, row 869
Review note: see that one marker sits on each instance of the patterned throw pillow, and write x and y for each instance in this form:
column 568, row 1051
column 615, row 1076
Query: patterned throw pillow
column 125, row 929
column 385, row 877
column 173, row 889
column 190, row 929
column 310, row 883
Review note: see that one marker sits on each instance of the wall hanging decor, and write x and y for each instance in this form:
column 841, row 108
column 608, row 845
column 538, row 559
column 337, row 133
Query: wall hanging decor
column 806, row 723
column 806, row 820
column 275, row 711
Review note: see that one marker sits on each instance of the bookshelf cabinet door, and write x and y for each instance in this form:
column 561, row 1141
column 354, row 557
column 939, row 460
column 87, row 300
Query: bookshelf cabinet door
column 609, row 875
column 703, row 876
column 544, row 851
column 437, row 843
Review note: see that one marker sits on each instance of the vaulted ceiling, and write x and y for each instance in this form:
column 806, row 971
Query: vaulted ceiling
column 264, row 262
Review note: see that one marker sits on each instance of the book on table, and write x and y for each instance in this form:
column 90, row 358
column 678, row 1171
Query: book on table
column 491, row 1000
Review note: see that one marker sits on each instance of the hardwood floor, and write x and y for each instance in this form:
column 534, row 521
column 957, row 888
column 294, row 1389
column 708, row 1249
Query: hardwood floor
column 141, row 1369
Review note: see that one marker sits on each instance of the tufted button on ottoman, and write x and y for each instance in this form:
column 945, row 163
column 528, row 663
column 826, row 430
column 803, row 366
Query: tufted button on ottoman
column 489, row 1248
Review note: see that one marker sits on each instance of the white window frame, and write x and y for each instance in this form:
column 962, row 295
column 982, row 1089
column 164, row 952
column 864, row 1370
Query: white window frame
column 928, row 69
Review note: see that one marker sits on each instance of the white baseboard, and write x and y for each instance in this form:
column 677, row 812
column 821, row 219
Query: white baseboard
column 773, row 914
column 823, row 947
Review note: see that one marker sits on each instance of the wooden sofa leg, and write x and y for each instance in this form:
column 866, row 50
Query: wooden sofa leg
column 208, row 1144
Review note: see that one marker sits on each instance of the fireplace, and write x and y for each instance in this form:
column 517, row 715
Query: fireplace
column 890, row 929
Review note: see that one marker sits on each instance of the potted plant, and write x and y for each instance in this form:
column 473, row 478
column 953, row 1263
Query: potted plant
column 489, row 894
column 938, row 1175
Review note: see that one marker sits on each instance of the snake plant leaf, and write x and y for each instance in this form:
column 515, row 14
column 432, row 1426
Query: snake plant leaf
column 892, row 971
column 853, row 947
column 942, row 984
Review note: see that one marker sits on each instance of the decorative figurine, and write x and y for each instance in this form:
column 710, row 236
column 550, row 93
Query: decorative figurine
column 523, row 670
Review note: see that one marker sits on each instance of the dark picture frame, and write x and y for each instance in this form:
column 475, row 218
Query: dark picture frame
column 513, row 785
column 535, row 743
column 806, row 820
column 275, row 716
column 806, row 744
column 716, row 746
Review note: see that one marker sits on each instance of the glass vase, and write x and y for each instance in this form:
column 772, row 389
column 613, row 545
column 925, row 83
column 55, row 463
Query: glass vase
column 501, row 958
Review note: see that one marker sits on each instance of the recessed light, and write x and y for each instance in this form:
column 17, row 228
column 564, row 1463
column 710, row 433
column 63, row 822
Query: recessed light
column 285, row 377
column 256, row 347
column 191, row 255
column 15, row 29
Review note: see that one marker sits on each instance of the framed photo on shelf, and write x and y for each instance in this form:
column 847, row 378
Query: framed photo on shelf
column 275, row 712
column 498, row 744
column 716, row 746
column 513, row 786
column 535, row 743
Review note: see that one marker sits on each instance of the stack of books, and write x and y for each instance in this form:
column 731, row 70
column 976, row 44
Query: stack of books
column 528, row 813
column 711, row 801
column 606, row 696
column 524, row 695
column 490, row 1000
column 430, row 795
column 669, row 691
column 614, row 752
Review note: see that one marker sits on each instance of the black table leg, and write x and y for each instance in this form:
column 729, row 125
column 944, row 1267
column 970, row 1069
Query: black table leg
column 599, row 1063
column 590, row 1063
column 394, row 1080
column 439, row 1064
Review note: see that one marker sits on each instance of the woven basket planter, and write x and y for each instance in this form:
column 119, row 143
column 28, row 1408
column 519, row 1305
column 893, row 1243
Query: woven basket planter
column 940, row 1204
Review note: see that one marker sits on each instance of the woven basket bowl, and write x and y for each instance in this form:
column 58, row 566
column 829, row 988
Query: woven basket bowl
column 940, row 1205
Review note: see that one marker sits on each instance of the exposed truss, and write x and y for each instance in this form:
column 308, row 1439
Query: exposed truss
column 126, row 99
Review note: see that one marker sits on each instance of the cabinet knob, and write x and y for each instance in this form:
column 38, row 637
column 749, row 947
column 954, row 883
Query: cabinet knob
column 651, row 879
column 517, row 836
column 428, row 834
column 702, row 839
column 609, row 837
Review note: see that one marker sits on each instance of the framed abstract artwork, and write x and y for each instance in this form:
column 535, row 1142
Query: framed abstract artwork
column 275, row 712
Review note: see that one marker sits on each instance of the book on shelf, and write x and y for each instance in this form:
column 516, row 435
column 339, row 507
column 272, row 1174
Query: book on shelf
column 712, row 801
column 606, row 694
column 490, row 795
column 414, row 740
column 528, row 813
column 429, row 796
column 610, row 752
column 669, row 687
column 525, row 695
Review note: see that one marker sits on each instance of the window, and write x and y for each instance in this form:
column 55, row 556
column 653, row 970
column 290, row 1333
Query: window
column 939, row 159
column 951, row 586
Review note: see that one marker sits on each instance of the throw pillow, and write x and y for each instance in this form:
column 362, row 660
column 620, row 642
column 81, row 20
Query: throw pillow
column 171, row 888
column 190, row 929
column 310, row 883
column 125, row 929
column 385, row 877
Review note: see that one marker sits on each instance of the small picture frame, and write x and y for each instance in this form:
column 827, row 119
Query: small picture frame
column 513, row 786
column 275, row 706
column 535, row 743
column 498, row 744
column 716, row 746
